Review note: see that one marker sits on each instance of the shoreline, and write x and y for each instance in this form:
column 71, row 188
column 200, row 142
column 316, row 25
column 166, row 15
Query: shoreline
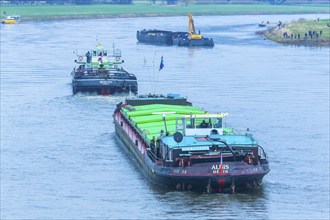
column 62, row 13
column 323, row 43
column 300, row 33
column 69, row 12
column 83, row 17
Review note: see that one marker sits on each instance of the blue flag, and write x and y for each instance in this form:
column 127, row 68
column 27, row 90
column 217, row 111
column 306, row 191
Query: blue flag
column 161, row 66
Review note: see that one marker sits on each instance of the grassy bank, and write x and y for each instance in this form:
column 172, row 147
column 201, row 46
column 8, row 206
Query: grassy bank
column 302, row 32
column 99, row 11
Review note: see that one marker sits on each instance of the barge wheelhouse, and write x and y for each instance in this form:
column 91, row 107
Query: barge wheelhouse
column 183, row 147
column 99, row 72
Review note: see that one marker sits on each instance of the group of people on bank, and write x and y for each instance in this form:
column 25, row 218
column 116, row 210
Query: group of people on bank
column 310, row 35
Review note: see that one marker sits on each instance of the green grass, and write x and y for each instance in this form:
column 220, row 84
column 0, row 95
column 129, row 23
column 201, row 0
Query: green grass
column 301, row 27
column 80, row 11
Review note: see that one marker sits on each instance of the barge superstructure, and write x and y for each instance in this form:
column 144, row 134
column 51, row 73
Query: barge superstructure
column 99, row 72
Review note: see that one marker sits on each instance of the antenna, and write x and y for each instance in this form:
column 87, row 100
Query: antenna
column 145, row 65
column 153, row 75
column 164, row 119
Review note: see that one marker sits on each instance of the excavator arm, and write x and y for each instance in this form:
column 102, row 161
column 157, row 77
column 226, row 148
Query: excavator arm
column 191, row 28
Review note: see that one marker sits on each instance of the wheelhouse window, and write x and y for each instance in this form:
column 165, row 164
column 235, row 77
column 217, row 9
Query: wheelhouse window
column 217, row 122
column 204, row 122
column 190, row 123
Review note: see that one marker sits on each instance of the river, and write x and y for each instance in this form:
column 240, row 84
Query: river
column 60, row 157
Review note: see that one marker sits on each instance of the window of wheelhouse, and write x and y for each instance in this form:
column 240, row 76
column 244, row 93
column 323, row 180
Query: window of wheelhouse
column 203, row 122
column 180, row 124
column 217, row 122
column 190, row 122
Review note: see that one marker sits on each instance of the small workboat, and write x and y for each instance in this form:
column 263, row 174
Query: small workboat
column 99, row 72
column 14, row 19
column 183, row 147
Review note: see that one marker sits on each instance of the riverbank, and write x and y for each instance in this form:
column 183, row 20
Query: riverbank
column 60, row 12
column 301, row 32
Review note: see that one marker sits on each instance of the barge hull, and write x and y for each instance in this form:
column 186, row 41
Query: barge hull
column 179, row 177
column 160, row 37
column 185, row 42
column 154, row 37
column 108, row 86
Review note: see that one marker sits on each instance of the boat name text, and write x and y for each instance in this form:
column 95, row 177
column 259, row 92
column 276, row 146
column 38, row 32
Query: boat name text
column 216, row 168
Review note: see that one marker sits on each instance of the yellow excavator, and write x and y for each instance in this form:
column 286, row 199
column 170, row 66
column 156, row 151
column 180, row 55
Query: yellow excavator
column 191, row 29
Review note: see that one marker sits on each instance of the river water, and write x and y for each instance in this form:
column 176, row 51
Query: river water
column 60, row 157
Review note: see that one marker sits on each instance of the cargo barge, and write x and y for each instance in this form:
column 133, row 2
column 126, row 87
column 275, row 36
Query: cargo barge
column 180, row 146
column 99, row 72
column 155, row 36
column 187, row 39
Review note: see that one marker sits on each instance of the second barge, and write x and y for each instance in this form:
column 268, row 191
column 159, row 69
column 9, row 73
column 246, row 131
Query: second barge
column 188, row 39
column 98, row 72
